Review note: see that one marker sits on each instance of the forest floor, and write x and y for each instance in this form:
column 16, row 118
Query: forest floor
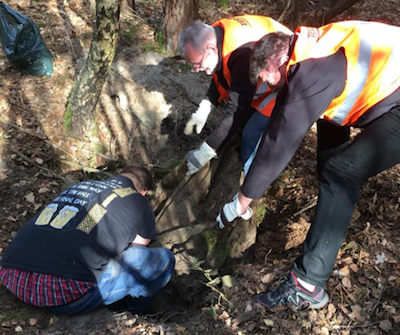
column 37, row 161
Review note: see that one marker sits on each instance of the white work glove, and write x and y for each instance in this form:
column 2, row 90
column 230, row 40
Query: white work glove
column 199, row 157
column 231, row 211
column 199, row 118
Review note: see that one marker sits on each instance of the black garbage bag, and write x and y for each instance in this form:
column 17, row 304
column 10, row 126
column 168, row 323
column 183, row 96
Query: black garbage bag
column 23, row 44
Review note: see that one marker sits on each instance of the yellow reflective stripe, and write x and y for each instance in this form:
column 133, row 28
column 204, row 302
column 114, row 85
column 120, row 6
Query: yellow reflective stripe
column 108, row 200
column 124, row 192
column 92, row 219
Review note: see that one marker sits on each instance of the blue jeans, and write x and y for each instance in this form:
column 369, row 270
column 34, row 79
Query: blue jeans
column 252, row 133
column 138, row 272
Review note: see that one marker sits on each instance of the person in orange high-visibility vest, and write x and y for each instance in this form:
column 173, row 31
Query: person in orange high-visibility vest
column 223, row 50
column 342, row 75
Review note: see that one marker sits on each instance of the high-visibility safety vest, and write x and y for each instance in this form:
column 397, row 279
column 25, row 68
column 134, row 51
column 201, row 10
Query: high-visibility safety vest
column 238, row 31
column 372, row 52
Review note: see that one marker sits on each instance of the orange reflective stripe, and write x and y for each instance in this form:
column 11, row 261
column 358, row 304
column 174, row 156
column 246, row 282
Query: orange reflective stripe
column 223, row 93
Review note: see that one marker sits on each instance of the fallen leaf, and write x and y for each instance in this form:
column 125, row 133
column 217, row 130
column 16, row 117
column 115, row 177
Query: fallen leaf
column 228, row 281
column 324, row 331
column 331, row 311
column 344, row 309
column 248, row 308
column 30, row 197
column 353, row 267
column 346, row 282
column 6, row 324
column 32, row 321
column 385, row 325
column 344, row 271
column 251, row 326
column 269, row 322
column 362, row 280
column 391, row 247
column 380, row 258
column 44, row 190
column 39, row 160
column 268, row 278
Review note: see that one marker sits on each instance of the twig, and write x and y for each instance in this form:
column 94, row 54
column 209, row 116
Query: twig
column 367, row 325
column 13, row 125
column 30, row 132
column 44, row 138
column 114, row 316
column 283, row 15
column 99, row 154
column 312, row 204
column 21, row 155
column 171, row 315
column 380, row 296
column 220, row 294
column 87, row 168
column 278, row 198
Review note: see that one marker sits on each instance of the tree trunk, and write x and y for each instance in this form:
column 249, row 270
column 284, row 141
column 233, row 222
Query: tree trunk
column 289, row 16
column 337, row 8
column 328, row 9
column 81, row 108
column 128, row 4
column 177, row 15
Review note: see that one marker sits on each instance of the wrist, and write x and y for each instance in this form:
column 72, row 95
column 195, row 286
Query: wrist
column 244, row 202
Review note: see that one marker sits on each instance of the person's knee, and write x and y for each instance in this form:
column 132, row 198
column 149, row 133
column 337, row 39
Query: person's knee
column 341, row 173
column 169, row 260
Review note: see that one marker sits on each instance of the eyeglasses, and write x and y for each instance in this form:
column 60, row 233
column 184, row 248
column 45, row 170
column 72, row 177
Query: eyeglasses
column 198, row 64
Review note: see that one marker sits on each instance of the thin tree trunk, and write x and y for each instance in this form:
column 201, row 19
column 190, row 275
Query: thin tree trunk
column 177, row 15
column 128, row 4
column 289, row 16
column 81, row 109
column 338, row 8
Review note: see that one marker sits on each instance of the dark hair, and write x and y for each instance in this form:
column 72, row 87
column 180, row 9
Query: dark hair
column 268, row 51
column 142, row 177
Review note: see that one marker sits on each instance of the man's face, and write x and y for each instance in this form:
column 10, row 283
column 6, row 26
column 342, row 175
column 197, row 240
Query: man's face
column 274, row 76
column 206, row 60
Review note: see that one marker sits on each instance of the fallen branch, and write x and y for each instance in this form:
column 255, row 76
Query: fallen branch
column 28, row 131
column 87, row 168
column 312, row 204
column 378, row 302
column 44, row 138
column 21, row 155
column 285, row 11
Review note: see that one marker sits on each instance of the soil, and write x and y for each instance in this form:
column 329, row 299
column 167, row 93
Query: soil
column 38, row 160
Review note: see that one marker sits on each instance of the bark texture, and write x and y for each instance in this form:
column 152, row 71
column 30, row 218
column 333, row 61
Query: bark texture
column 81, row 109
column 177, row 15
column 328, row 9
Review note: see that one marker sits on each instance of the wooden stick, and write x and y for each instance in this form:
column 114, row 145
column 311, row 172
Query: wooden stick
column 21, row 155
column 44, row 138
column 309, row 206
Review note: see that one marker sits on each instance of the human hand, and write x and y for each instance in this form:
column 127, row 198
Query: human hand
column 199, row 157
column 231, row 211
column 199, row 118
